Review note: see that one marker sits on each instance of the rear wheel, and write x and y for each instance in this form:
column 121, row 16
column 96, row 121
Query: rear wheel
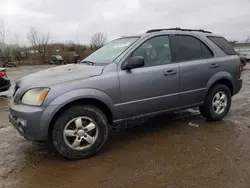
column 217, row 103
column 80, row 132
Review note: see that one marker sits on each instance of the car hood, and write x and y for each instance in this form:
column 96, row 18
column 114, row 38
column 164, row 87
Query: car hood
column 57, row 75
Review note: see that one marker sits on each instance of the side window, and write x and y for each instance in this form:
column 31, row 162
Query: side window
column 206, row 52
column 188, row 48
column 156, row 51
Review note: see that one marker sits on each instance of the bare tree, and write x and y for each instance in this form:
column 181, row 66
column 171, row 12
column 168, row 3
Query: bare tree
column 248, row 39
column 40, row 41
column 17, row 48
column 98, row 40
column 17, row 39
column 3, row 35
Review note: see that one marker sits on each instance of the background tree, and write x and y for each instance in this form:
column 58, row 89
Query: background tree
column 248, row 39
column 3, row 35
column 18, row 50
column 98, row 40
column 39, row 41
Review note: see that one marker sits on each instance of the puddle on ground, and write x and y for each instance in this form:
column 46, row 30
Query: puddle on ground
column 157, row 151
column 3, row 102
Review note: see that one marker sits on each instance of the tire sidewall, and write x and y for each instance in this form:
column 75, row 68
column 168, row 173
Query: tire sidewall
column 88, row 111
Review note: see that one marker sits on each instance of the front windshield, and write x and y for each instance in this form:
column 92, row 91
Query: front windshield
column 109, row 52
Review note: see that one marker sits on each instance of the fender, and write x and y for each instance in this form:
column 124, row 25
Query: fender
column 218, row 76
column 77, row 94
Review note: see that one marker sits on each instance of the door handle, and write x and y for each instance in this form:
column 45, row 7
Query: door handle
column 170, row 73
column 214, row 65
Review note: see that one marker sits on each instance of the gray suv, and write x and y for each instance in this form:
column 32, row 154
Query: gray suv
column 132, row 77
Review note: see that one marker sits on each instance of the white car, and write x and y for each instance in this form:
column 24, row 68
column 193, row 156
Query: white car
column 248, row 57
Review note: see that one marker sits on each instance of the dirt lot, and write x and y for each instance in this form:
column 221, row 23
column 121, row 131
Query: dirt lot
column 165, row 151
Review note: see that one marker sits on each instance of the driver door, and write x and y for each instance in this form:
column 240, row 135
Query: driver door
column 155, row 86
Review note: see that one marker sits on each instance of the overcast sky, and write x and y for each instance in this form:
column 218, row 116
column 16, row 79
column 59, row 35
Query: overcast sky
column 65, row 18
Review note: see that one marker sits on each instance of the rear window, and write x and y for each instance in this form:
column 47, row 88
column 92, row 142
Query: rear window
column 223, row 45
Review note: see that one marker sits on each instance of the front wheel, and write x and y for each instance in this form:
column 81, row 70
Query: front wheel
column 80, row 132
column 217, row 103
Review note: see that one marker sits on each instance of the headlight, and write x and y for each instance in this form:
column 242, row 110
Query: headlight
column 35, row 96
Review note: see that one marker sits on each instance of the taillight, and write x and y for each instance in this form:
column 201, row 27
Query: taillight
column 2, row 74
column 241, row 67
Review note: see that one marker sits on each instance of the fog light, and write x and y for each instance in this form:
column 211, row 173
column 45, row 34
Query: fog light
column 20, row 127
column 21, row 124
column 22, row 121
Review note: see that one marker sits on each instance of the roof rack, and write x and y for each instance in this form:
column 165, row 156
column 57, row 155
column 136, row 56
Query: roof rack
column 177, row 29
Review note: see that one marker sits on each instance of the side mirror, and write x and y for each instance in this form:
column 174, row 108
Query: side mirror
column 133, row 62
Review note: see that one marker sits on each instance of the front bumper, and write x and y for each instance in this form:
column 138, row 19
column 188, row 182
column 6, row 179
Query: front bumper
column 32, row 122
column 238, row 86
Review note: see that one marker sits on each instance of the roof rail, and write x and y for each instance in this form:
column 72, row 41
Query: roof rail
column 177, row 29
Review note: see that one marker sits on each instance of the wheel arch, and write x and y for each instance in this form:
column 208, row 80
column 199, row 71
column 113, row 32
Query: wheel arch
column 105, row 105
column 84, row 101
column 221, row 78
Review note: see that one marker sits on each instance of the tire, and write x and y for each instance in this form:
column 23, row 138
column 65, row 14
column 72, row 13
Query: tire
column 89, row 114
column 208, row 110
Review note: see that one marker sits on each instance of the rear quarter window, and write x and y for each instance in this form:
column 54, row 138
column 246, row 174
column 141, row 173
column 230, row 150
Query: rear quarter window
column 223, row 44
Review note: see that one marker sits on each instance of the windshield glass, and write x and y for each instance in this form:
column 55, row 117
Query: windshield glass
column 109, row 52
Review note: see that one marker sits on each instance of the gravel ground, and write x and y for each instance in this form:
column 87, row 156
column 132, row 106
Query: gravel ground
column 171, row 150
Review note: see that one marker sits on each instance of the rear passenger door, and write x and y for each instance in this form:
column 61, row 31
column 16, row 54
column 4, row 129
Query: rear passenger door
column 194, row 58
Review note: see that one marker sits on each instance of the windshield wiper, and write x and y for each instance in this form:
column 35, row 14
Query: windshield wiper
column 88, row 62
